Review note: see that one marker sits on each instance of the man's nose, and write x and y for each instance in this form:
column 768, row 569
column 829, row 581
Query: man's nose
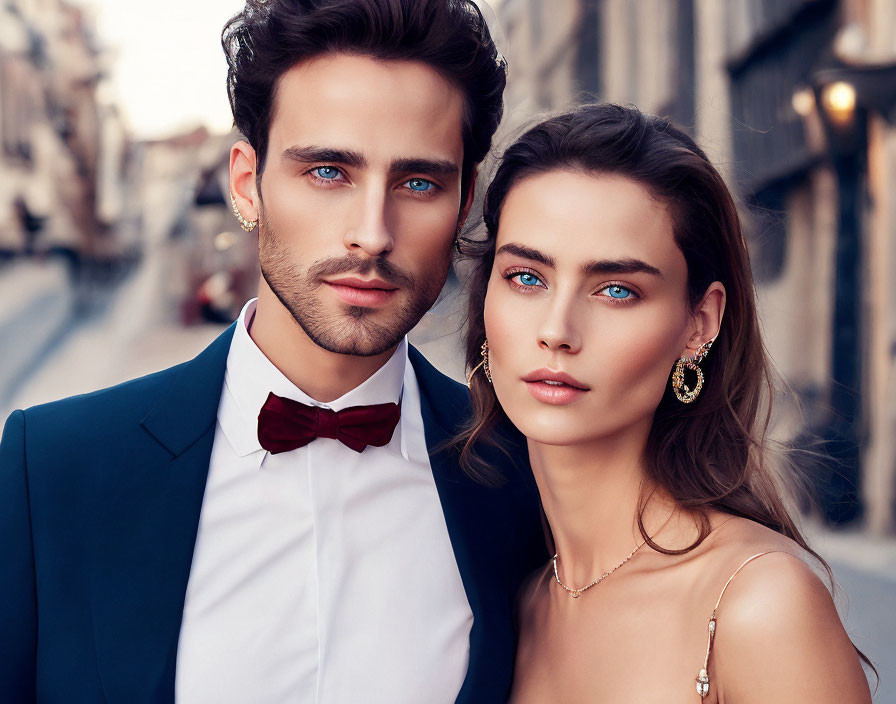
column 369, row 231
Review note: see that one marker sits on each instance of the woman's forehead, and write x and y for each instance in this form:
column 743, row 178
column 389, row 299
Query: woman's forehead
column 575, row 217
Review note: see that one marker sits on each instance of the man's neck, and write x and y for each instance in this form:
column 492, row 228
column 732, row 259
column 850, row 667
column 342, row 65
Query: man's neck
column 323, row 375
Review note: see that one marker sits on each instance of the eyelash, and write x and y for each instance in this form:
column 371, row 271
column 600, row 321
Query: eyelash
column 620, row 301
column 510, row 276
column 326, row 182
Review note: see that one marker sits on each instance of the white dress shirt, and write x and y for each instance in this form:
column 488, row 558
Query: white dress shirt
column 320, row 574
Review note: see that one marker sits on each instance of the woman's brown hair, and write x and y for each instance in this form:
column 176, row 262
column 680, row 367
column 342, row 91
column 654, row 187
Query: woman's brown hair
column 711, row 454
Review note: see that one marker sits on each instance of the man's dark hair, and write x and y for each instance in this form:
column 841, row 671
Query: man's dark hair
column 271, row 36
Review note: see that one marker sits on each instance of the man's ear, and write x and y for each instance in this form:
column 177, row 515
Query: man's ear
column 707, row 318
column 467, row 201
column 242, row 179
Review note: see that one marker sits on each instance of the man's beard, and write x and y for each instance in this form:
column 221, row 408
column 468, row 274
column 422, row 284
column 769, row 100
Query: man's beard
column 352, row 331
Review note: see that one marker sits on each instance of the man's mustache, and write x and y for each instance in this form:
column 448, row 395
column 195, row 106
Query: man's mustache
column 351, row 264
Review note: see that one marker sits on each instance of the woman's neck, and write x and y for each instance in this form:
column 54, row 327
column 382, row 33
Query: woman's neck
column 592, row 495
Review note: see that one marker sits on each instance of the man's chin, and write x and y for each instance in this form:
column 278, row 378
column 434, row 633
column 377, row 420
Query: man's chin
column 355, row 330
column 356, row 346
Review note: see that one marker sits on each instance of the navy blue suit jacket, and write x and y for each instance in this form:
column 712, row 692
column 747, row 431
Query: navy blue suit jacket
column 100, row 498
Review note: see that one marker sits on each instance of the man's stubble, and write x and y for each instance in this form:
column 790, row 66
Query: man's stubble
column 354, row 331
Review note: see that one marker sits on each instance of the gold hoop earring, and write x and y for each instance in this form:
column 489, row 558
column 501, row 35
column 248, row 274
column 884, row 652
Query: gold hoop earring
column 682, row 391
column 247, row 225
column 483, row 364
column 485, row 367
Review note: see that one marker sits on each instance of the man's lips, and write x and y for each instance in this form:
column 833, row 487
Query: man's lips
column 363, row 283
column 364, row 293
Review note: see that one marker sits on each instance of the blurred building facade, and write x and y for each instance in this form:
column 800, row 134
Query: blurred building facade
column 85, row 208
column 63, row 149
column 794, row 101
column 208, row 265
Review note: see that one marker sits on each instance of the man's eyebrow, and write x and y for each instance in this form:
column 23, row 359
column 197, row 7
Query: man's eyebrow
column 527, row 253
column 312, row 153
column 621, row 266
column 436, row 167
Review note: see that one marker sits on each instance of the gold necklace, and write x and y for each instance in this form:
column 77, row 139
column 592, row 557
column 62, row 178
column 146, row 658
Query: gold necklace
column 576, row 593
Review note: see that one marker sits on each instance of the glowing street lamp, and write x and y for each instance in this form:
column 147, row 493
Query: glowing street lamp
column 842, row 112
column 839, row 101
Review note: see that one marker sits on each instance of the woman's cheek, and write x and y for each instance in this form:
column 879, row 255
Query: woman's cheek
column 638, row 364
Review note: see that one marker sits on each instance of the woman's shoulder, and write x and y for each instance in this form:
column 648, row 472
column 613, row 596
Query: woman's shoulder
column 771, row 585
column 759, row 572
column 775, row 615
column 733, row 540
column 743, row 535
column 730, row 542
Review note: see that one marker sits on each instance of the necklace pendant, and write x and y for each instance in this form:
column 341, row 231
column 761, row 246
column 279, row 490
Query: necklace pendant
column 575, row 594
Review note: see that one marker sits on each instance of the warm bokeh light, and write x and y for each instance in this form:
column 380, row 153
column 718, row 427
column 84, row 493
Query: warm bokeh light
column 839, row 99
column 225, row 240
column 803, row 102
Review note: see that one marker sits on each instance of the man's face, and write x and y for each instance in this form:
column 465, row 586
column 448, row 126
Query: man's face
column 360, row 197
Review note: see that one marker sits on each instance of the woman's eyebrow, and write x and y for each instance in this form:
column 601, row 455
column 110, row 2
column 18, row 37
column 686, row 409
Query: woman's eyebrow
column 621, row 266
column 526, row 253
column 603, row 266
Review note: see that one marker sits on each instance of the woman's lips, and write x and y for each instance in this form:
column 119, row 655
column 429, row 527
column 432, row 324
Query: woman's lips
column 365, row 294
column 555, row 393
column 554, row 387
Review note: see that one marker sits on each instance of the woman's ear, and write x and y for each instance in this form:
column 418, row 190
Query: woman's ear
column 707, row 318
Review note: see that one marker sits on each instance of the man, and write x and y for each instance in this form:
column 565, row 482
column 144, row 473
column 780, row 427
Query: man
column 282, row 518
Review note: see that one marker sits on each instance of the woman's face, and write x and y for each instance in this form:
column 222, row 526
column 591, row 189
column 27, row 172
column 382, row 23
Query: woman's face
column 587, row 282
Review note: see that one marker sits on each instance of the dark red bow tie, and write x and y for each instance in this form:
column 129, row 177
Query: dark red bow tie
column 284, row 424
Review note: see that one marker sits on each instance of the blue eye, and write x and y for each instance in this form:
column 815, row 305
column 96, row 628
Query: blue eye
column 421, row 185
column 527, row 279
column 328, row 173
column 620, row 293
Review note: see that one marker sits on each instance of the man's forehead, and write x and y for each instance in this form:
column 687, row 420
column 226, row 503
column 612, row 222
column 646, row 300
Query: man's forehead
column 384, row 110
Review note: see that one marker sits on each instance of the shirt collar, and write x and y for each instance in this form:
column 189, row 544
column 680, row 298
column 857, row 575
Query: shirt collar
column 250, row 376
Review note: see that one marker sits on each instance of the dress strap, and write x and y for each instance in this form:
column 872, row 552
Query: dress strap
column 703, row 676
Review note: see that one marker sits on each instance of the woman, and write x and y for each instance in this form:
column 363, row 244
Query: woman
column 613, row 321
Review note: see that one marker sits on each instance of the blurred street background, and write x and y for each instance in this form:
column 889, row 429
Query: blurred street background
column 119, row 255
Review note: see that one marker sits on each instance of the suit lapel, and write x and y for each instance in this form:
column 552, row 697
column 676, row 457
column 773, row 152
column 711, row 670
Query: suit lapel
column 478, row 537
column 150, row 516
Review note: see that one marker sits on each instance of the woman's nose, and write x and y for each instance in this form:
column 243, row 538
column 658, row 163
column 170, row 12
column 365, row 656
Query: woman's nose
column 559, row 331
